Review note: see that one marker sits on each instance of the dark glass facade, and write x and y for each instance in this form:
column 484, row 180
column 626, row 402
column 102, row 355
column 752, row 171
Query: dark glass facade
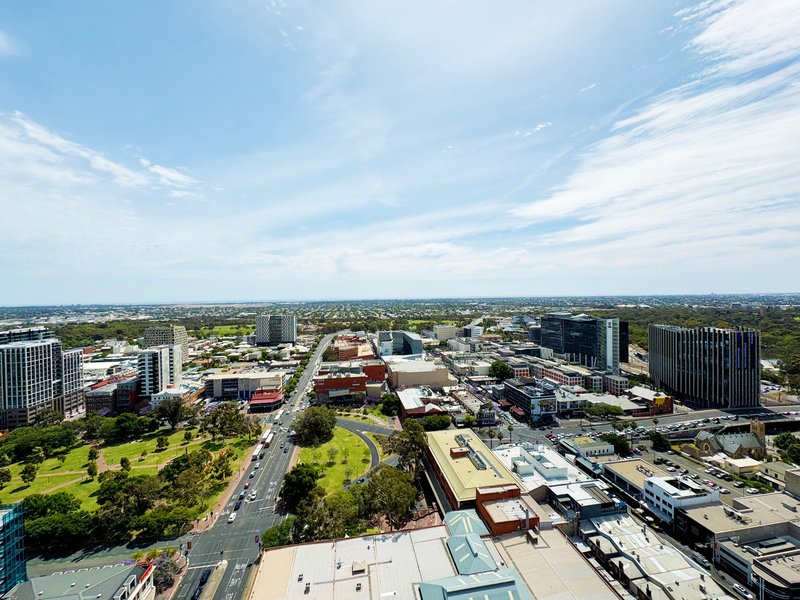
column 12, row 548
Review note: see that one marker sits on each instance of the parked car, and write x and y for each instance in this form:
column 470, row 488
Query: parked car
column 738, row 484
column 752, row 490
column 742, row 591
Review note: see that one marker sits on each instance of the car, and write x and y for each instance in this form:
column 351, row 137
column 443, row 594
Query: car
column 285, row 450
column 253, row 495
column 257, row 465
column 247, row 485
column 752, row 490
column 741, row 590
column 738, row 484
column 671, row 469
column 724, row 491
column 695, row 476
column 252, row 474
column 204, row 576
column 197, row 593
column 232, row 517
column 241, row 495
column 701, row 559
column 670, row 452
column 238, row 505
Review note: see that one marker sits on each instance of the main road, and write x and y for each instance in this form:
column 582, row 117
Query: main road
column 231, row 547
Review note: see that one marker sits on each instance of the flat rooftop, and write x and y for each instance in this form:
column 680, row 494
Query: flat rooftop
column 650, row 556
column 635, row 471
column 387, row 565
column 553, row 569
column 480, row 468
column 537, row 465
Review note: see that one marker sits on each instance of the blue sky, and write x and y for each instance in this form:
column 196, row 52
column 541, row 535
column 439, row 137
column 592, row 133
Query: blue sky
column 262, row 150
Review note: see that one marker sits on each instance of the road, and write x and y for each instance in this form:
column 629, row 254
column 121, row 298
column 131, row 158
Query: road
column 236, row 542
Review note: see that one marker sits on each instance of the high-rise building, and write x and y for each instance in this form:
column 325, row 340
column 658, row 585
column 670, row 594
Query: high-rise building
column 167, row 335
column 12, row 547
column 399, row 343
column 37, row 375
column 159, row 368
column 582, row 339
column 706, row 366
column 276, row 329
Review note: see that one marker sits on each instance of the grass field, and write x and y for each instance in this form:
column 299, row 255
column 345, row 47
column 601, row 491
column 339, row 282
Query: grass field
column 52, row 473
column 334, row 475
column 224, row 330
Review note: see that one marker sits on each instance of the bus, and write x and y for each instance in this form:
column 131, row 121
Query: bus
column 268, row 439
column 258, row 451
column 264, row 437
column 278, row 416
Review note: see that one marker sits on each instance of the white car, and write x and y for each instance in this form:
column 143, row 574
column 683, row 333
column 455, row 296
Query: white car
column 257, row 465
column 232, row 517
column 253, row 495
column 742, row 591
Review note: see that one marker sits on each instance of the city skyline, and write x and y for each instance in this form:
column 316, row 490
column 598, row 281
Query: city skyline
column 242, row 151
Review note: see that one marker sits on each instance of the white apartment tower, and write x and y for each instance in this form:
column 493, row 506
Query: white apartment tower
column 167, row 335
column 37, row 375
column 276, row 329
column 158, row 368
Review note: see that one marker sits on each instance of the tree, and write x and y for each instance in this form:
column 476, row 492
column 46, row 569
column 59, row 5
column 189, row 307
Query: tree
column 48, row 417
column 315, row 426
column 501, row 370
column 188, row 436
column 36, row 456
column 510, row 430
column 61, row 458
column 5, row 460
column 348, row 474
column 28, row 473
column 392, row 493
column 5, row 476
column 409, row 445
column 171, row 410
column 279, row 535
column 91, row 470
column 784, row 440
column 470, row 421
column 332, row 452
column 793, row 454
column 492, row 434
column 621, row 445
column 660, row 441
column 345, row 454
column 162, row 443
column 298, row 484
column 436, row 422
column 165, row 569
column 500, row 436
column 93, row 453
column 125, row 463
column 390, row 404
column 225, row 421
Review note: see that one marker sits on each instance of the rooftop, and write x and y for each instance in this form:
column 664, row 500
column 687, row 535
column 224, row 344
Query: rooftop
column 478, row 468
column 535, row 465
column 460, row 522
column 82, row 584
column 635, row 471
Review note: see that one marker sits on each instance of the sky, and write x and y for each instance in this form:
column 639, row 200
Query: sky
column 257, row 150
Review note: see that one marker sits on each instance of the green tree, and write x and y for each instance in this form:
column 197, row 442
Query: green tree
column 187, row 436
column 793, row 453
column 37, row 506
column 37, row 456
column 470, row 421
column 5, row 476
column 125, row 463
column 225, row 421
column 28, row 473
column 61, row 458
column 621, row 445
column 298, row 484
column 501, row 370
column 315, row 426
column 784, row 440
column 332, row 452
column 48, row 417
column 409, row 445
column 390, row 404
column 436, row 422
column 500, row 435
column 162, row 443
column 492, row 434
column 660, row 441
column 279, row 535
column 91, row 470
column 392, row 493
column 171, row 410
column 5, row 460
column 93, row 453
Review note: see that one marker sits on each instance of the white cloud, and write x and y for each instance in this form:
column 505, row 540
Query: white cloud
column 703, row 174
column 591, row 86
column 7, row 46
column 172, row 177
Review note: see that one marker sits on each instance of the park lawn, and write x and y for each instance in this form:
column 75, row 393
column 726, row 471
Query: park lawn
column 77, row 459
column 16, row 491
column 133, row 450
column 334, row 475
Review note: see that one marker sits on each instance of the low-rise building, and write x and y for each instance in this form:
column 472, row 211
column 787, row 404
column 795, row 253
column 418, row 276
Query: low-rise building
column 241, row 384
column 531, row 400
column 629, row 476
column 664, row 495
column 537, row 467
column 109, row 582
column 409, row 373
column 462, row 463
column 587, row 446
column 419, row 402
column 735, row 445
